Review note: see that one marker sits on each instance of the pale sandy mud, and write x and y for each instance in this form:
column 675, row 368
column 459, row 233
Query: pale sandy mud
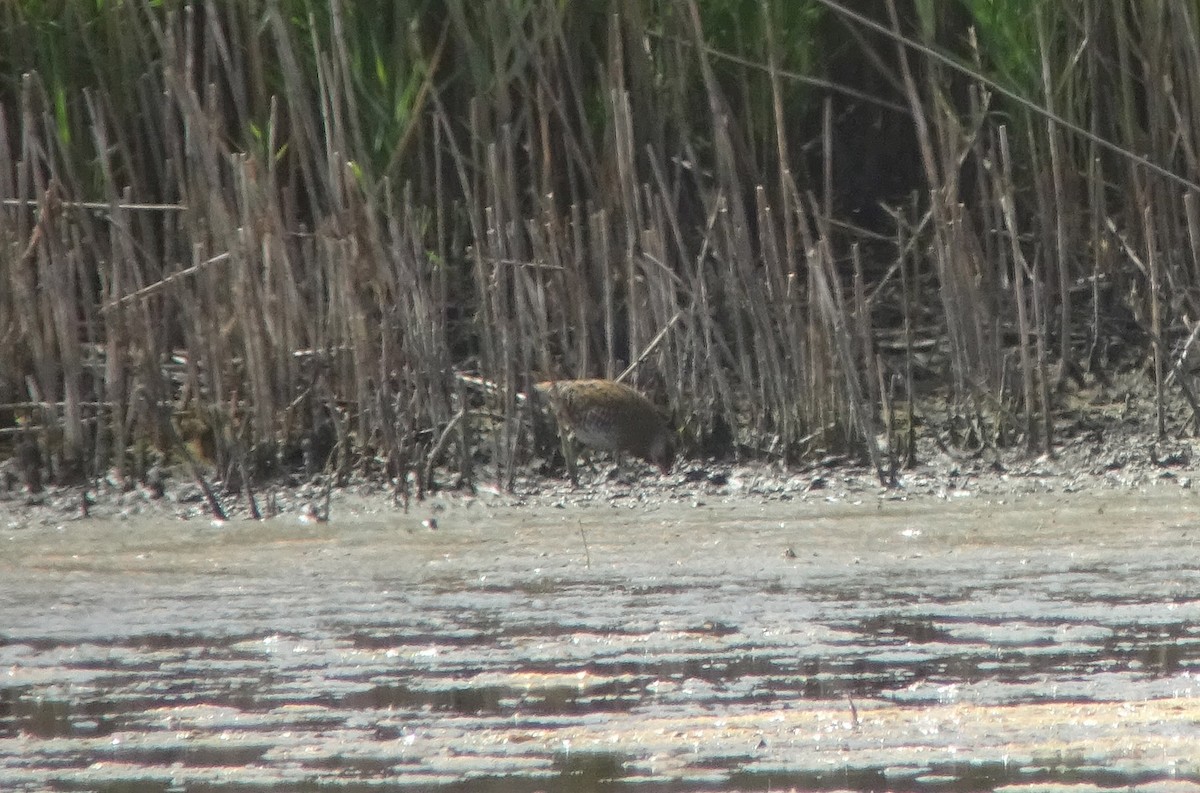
column 1038, row 641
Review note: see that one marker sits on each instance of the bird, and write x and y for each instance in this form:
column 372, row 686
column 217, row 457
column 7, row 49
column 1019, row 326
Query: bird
column 610, row 416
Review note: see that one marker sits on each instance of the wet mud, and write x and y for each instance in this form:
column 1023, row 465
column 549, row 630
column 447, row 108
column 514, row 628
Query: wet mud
column 1039, row 642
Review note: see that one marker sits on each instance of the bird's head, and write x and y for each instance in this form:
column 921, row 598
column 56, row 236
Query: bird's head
column 661, row 451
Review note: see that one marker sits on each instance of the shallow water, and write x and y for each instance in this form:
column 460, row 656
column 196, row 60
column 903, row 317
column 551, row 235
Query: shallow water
column 954, row 645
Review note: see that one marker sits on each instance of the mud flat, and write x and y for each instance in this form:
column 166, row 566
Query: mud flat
column 972, row 641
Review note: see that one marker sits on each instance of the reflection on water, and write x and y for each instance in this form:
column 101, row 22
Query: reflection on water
column 860, row 672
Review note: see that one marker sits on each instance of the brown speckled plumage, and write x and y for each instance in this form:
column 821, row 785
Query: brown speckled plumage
column 611, row 416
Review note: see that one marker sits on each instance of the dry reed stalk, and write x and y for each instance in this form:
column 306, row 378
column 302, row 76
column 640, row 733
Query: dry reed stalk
column 599, row 263
column 577, row 290
column 1100, row 250
column 944, row 219
column 574, row 213
column 493, row 330
column 906, row 287
column 832, row 307
column 864, row 332
column 544, row 239
column 1003, row 188
column 767, row 308
column 1058, row 217
column 627, row 203
column 732, row 223
column 696, row 342
column 1041, row 319
column 791, row 300
column 1156, row 329
column 1192, row 219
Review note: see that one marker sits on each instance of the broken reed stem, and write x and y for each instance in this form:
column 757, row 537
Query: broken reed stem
column 650, row 347
column 439, row 448
column 1181, row 374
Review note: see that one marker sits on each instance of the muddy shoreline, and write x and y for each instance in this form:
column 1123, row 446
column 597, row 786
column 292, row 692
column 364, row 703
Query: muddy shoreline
column 1013, row 621
column 1115, row 457
column 961, row 643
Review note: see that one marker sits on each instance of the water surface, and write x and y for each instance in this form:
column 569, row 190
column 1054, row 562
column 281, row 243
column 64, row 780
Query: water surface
column 956, row 645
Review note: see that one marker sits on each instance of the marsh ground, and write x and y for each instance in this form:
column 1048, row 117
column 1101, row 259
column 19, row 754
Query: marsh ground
column 1026, row 622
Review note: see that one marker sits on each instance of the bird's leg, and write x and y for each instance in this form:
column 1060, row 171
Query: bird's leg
column 569, row 452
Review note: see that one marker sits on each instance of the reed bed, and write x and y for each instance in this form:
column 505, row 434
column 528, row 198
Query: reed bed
column 270, row 236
